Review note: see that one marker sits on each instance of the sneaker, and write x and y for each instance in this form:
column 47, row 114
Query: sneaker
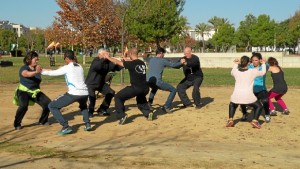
column 186, row 106
column 87, row 127
column 150, row 116
column 18, row 128
column 199, row 106
column 103, row 113
column 256, row 124
column 244, row 117
column 44, row 124
column 268, row 118
column 230, row 123
column 65, row 130
column 273, row 113
column 122, row 120
column 166, row 110
column 285, row 112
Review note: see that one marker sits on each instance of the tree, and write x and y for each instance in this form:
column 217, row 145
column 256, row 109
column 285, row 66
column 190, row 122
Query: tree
column 217, row 22
column 86, row 23
column 294, row 28
column 202, row 29
column 154, row 20
column 263, row 33
column 224, row 37
column 243, row 33
column 7, row 38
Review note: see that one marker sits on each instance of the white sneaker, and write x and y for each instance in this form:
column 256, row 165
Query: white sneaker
column 268, row 118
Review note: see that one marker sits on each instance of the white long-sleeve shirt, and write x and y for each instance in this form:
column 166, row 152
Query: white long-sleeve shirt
column 243, row 88
column 74, row 76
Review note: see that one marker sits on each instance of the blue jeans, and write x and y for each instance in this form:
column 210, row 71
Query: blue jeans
column 165, row 87
column 66, row 100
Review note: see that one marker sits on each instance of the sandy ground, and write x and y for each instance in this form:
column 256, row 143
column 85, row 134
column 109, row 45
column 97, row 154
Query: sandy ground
column 187, row 138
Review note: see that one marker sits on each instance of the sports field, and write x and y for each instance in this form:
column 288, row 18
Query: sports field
column 187, row 138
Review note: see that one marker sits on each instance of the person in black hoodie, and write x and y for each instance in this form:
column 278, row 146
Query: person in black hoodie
column 193, row 77
column 95, row 81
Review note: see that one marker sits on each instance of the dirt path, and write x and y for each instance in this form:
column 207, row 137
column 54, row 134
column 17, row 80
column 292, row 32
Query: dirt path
column 187, row 138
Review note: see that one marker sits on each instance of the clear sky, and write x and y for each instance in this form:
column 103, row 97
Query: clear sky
column 40, row 13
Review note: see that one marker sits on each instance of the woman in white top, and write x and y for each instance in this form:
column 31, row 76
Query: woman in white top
column 243, row 89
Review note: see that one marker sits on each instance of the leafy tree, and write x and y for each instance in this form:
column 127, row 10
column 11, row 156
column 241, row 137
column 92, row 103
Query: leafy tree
column 224, row 37
column 263, row 33
column 243, row 33
column 217, row 22
column 202, row 29
column 294, row 27
column 155, row 20
column 7, row 38
column 86, row 23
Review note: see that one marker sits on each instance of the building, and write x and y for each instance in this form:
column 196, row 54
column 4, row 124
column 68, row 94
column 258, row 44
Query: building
column 18, row 28
column 195, row 35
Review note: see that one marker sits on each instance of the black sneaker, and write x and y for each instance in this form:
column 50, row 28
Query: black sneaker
column 103, row 113
column 186, row 106
column 18, row 128
column 65, row 130
column 87, row 127
column 123, row 120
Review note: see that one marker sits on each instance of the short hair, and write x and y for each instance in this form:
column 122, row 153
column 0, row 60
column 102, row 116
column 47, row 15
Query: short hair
column 101, row 49
column 29, row 56
column 69, row 54
column 160, row 50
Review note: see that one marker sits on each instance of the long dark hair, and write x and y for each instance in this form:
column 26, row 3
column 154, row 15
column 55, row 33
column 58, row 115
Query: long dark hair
column 273, row 62
column 244, row 61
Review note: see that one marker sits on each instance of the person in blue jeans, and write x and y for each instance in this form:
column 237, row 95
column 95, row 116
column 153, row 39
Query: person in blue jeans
column 77, row 92
column 154, row 78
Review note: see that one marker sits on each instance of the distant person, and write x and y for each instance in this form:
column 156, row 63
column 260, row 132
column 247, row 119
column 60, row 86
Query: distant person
column 259, row 88
column 243, row 90
column 193, row 77
column 139, row 87
column 95, row 81
column 77, row 92
column 279, row 87
column 28, row 91
column 154, row 78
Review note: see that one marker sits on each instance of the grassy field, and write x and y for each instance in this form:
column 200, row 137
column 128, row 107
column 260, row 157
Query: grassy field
column 212, row 76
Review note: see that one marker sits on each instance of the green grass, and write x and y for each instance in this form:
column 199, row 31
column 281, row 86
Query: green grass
column 212, row 76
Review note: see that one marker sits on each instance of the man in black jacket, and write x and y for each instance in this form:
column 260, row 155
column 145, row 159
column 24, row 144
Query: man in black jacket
column 95, row 81
column 193, row 77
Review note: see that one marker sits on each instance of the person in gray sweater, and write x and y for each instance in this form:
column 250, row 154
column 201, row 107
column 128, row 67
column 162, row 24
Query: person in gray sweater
column 154, row 78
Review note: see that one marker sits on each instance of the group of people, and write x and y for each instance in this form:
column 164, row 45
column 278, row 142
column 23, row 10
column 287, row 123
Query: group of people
column 250, row 88
column 83, row 90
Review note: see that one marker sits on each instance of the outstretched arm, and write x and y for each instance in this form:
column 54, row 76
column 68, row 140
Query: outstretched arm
column 113, row 60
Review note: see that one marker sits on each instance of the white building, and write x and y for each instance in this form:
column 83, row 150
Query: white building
column 206, row 36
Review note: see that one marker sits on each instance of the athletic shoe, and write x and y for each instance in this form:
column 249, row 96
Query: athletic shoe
column 65, row 130
column 230, row 123
column 122, row 120
column 166, row 110
column 273, row 113
column 255, row 124
column 18, row 128
column 87, row 127
column 150, row 116
column 285, row 112
column 186, row 106
column 44, row 124
column 103, row 113
column 268, row 118
column 244, row 117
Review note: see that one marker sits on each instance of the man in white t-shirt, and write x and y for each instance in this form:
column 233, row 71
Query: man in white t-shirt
column 77, row 92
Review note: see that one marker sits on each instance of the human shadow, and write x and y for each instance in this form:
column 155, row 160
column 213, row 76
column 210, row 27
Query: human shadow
column 249, row 117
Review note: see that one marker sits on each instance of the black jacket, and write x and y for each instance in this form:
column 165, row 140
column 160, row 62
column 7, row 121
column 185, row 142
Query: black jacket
column 98, row 70
column 192, row 69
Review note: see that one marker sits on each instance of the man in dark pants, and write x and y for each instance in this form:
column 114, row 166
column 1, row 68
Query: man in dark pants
column 154, row 77
column 139, row 87
column 95, row 81
column 193, row 77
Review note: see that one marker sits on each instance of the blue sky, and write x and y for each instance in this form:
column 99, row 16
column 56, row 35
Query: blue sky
column 40, row 13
